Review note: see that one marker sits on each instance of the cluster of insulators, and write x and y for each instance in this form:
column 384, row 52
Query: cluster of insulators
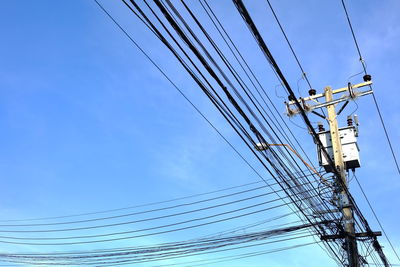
column 312, row 92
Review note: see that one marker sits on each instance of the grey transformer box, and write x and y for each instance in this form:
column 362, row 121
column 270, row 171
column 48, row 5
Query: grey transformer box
column 348, row 138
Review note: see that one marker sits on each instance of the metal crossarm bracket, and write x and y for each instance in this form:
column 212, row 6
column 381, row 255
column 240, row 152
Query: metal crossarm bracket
column 340, row 236
column 351, row 94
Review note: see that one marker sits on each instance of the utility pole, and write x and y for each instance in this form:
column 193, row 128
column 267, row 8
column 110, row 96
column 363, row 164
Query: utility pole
column 334, row 147
column 344, row 204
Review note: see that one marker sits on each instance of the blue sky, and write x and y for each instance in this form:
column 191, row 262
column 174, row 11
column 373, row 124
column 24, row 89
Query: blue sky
column 89, row 124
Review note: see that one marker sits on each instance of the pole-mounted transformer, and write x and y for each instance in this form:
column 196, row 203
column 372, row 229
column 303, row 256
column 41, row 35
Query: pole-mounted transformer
column 350, row 149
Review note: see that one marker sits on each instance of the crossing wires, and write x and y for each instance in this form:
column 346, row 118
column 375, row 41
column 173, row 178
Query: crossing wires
column 233, row 98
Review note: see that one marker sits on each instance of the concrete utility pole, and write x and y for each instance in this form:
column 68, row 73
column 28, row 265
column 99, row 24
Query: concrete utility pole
column 348, row 221
column 336, row 146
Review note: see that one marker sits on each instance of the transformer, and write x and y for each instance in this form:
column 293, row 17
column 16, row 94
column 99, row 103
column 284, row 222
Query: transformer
column 350, row 148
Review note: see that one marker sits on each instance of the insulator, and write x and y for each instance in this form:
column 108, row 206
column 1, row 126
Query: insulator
column 350, row 88
column 367, row 78
column 321, row 127
column 349, row 121
column 312, row 92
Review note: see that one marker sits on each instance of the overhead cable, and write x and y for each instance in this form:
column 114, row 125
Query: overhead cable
column 373, row 94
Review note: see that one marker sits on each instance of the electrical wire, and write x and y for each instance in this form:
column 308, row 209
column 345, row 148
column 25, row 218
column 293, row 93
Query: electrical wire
column 181, row 92
column 143, row 220
column 303, row 73
column 245, row 63
column 222, row 57
column 225, row 110
column 376, row 217
column 205, row 64
column 146, row 229
column 177, row 88
column 236, row 257
column 137, row 213
column 165, row 251
column 260, row 177
column 253, row 29
column 281, row 166
column 373, row 94
column 210, row 13
column 379, row 113
column 128, row 208
column 211, row 72
column 246, row 17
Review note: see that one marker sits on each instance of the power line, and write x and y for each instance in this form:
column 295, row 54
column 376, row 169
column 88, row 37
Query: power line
column 177, row 88
column 127, row 208
column 217, row 107
column 146, row 220
column 165, row 250
column 213, row 74
column 207, row 67
column 260, row 41
column 236, row 257
column 307, row 201
column 230, row 258
column 176, row 27
column 213, row 235
column 146, row 258
column 235, row 74
column 376, row 217
column 381, row 119
column 149, row 228
column 290, row 45
column 174, row 85
column 373, row 94
column 227, row 113
column 304, row 74
column 136, row 213
column 229, row 67
column 213, row 17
